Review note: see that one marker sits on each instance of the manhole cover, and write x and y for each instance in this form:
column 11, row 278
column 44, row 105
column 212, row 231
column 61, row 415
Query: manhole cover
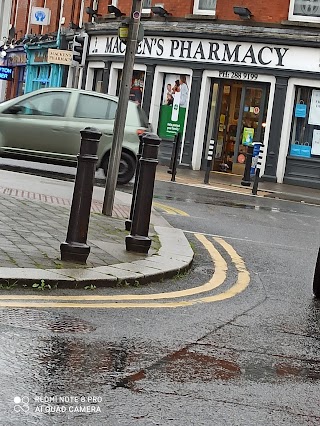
column 43, row 320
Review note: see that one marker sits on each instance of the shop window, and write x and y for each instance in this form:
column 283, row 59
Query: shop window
column 21, row 81
column 304, row 10
column 41, row 78
column 98, row 80
column 204, row 7
column 137, row 86
column 96, row 108
column 305, row 132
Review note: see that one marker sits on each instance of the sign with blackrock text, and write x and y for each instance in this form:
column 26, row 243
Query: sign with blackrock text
column 214, row 51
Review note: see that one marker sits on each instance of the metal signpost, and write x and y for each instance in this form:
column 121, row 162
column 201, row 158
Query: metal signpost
column 120, row 119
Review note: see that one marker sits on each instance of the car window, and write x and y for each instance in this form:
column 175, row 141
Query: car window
column 90, row 106
column 52, row 104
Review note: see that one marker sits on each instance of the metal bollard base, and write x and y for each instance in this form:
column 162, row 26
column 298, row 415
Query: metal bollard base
column 128, row 224
column 245, row 183
column 138, row 243
column 74, row 252
column 316, row 278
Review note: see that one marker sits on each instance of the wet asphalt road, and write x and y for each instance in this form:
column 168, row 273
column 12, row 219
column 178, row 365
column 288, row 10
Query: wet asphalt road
column 251, row 359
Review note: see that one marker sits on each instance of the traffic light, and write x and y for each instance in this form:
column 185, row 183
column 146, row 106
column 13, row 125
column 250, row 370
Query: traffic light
column 79, row 48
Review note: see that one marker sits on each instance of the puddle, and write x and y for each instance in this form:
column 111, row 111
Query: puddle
column 188, row 366
column 232, row 204
column 35, row 319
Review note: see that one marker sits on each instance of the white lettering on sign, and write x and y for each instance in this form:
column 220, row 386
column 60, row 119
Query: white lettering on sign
column 212, row 51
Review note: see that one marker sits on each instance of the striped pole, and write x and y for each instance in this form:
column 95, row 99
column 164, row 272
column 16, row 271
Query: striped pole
column 257, row 174
column 209, row 161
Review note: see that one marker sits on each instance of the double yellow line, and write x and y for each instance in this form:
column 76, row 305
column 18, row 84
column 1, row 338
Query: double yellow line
column 169, row 210
column 157, row 300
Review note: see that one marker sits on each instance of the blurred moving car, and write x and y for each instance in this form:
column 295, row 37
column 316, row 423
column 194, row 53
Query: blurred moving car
column 45, row 125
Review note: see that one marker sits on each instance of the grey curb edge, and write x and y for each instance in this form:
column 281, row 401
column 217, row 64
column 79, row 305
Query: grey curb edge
column 167, row 263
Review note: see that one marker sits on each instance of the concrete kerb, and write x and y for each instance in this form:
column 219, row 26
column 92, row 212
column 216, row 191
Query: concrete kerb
column 166, row 263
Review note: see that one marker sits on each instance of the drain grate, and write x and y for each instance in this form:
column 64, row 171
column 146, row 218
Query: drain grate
column 43, row 320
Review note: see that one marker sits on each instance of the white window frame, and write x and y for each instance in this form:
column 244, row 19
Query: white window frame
column 198, row 11
column 301, row 18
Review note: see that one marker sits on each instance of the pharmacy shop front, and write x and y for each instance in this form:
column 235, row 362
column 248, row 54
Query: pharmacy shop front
column 230, row 92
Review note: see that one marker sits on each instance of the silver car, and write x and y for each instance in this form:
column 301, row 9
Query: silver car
column 45, row 125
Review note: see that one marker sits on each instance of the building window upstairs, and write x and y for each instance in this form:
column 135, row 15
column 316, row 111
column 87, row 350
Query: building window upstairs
column 204, row 7
column 304, row 10
column 146, row 6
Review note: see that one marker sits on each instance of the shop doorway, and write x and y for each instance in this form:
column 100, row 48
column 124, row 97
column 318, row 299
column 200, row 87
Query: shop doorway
column 236, row 119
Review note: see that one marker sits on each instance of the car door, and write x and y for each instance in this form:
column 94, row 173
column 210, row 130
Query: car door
column 36, row 125
column 92, row 110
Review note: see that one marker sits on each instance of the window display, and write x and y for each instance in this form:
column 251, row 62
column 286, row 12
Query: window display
column 305, row 133
column 137, row 86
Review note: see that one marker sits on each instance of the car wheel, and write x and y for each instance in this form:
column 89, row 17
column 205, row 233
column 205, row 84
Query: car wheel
column 126, row 168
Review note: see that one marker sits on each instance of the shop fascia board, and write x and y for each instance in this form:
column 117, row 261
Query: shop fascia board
column 265, row 35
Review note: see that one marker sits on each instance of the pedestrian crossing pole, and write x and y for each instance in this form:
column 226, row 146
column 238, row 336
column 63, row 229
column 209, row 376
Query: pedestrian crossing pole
column 209, row 161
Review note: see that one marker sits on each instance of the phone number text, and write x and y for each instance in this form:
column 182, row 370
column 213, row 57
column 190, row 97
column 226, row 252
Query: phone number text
column 238, row 75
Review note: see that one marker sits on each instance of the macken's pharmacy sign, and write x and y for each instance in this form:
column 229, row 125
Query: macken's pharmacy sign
column 212, row 51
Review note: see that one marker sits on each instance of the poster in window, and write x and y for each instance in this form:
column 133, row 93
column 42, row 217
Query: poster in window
column 247, row 136
column 173, row 109
column 137, row 86
column 315, row 150
column 314, row 114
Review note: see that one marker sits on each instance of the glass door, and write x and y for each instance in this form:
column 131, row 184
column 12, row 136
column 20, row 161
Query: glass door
column 236, row 119
column 251, row 122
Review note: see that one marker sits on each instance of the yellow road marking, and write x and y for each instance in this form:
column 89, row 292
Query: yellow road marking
column 169, row 210
column 243, row 275
column 217, row 279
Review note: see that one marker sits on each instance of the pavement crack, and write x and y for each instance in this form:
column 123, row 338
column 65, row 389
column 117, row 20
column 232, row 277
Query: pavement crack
column 271, row 408
column 129, row 381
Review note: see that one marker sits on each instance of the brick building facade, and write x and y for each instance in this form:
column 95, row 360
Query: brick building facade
column 236, row 73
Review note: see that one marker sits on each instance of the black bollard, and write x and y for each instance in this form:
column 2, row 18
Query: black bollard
column 75, row 249
column 175, row 156
column 138, row 240
column 246, row 176
column 128, row 222
column 316, row 278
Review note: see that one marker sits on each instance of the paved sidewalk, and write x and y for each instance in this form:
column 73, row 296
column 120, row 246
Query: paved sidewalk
column 232, row 183
column 34, row 223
